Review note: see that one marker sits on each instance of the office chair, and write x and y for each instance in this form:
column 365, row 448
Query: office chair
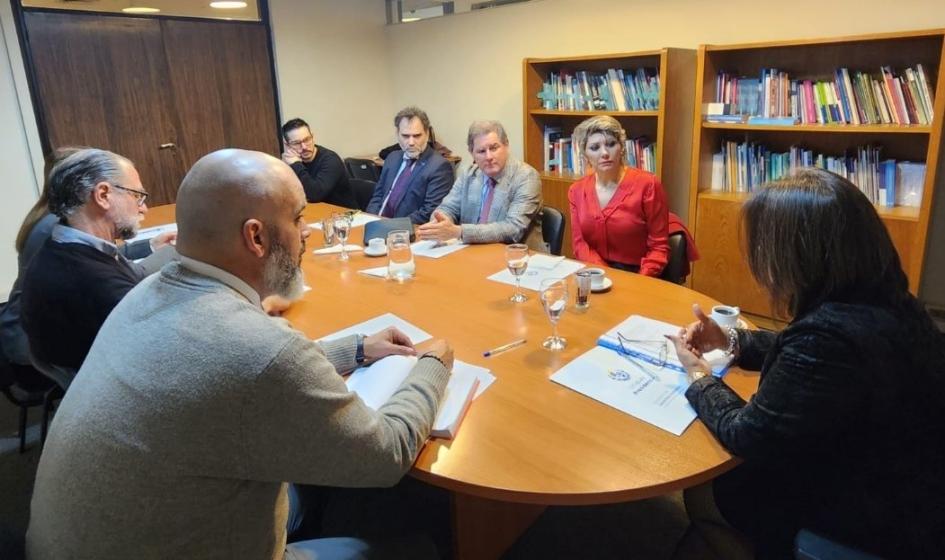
column 63, row 377
column 811, row 546
column 362, row 169
column 552, row 229
column 675, row 270
column 25, row 398
column 363, row 191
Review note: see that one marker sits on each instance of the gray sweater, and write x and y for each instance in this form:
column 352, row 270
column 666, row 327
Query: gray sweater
column 191, row 411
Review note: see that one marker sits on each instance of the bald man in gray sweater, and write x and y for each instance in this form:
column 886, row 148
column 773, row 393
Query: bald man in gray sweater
column 194, row 408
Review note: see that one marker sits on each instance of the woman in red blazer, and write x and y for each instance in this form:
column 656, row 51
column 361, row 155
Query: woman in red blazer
column 619, row 216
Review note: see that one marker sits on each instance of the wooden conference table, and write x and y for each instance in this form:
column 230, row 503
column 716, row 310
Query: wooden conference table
column 526, row 442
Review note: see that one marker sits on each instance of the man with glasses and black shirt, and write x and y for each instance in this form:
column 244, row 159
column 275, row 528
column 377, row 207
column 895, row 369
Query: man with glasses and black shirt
column 79, row 274
column 320, row 170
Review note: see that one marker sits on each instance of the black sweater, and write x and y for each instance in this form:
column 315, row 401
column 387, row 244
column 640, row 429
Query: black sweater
column 68, row 291
column 844, row 436
column 325, row 179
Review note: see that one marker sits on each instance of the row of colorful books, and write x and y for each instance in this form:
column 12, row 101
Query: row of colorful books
column 849, row 98
column 563, row 156
column 744, row 166
column 615, row 90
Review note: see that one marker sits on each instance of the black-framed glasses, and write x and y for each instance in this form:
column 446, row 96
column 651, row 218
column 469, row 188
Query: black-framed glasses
column 307, row 141
column 140, row 196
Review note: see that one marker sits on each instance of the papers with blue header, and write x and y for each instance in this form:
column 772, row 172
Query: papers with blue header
column 642, row 377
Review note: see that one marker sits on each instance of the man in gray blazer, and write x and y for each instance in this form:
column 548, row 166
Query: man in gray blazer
column 415, row 178
column 496, row 200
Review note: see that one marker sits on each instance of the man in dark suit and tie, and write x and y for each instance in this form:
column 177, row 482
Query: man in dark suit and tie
column 415, row 178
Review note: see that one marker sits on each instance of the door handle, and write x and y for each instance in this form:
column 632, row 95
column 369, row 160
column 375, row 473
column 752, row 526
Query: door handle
column 167, row 146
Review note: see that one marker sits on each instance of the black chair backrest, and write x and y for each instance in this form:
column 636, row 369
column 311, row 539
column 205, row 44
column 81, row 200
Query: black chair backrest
column 674, row 271
column 362, row 169
column 552, row 229
column 363, row 191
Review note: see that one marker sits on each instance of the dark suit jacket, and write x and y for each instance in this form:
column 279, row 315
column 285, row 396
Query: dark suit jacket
column 430, row 183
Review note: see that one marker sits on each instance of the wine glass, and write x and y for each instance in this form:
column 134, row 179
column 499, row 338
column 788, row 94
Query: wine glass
column 328, row 231
column 516, row 257
column 342, row 225
column 554, row 298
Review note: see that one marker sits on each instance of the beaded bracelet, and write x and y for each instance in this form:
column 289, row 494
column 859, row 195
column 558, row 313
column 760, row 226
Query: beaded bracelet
column 437, row 358
column 732, row 341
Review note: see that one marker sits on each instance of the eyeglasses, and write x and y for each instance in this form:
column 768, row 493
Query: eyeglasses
column 307, row 141
column 650, row 351
column 141, row 196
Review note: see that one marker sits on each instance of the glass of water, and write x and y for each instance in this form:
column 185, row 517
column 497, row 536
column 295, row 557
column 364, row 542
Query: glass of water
column 554, row 299
column 341, row 222
column 328, row 231
column 516, row 257
column 400, row 265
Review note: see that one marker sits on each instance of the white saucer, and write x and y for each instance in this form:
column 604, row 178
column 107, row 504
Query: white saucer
column 604, row 286
column 370, row 253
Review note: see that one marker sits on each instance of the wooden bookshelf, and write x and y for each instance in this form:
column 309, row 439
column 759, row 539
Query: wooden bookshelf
column 723, row 272
column 672, row 120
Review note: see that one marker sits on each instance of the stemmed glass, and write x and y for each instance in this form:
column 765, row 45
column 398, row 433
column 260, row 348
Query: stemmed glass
column 342, row 226
column 516, row 257
column 554, row 298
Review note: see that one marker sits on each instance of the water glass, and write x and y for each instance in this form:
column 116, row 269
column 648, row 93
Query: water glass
column 341, row 222
column 554, row 299
column 400, row 266
column 516, row 258
column 328, row 231
column 585, row 280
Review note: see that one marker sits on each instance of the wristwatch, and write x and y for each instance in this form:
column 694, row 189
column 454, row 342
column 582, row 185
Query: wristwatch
column 359, row 353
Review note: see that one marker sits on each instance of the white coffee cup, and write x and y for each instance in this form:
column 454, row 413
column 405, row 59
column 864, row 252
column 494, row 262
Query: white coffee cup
column 377, row 245
column 597, row 277
column 726, row 316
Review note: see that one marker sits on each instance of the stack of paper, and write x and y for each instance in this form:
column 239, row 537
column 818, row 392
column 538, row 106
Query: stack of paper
column 631, row 378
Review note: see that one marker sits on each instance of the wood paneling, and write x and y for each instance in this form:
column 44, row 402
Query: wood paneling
column 221, row 69
column 101, row 83
column 133, row 85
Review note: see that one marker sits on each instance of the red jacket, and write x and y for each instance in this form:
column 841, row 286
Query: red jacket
column 631, row 229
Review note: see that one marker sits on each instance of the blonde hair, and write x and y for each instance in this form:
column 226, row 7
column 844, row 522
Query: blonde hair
column 603, row 124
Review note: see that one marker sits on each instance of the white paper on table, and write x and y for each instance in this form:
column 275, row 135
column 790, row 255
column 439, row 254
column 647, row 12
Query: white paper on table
column 539, row 261
column 375, row 384
column 434, row 250
column 359, row 219
column 532, row 278
column 379, row 323
column 148, row 233
column 335, row 249
column 641, row 328
column 380, row 272
column 607, row 377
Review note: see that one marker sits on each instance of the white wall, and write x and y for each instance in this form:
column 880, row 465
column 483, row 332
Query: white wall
column 333, row 69
column 21, row 159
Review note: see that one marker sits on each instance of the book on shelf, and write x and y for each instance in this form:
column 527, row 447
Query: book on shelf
column 378, row 382
column 616, row 89
column 744, row 166
column 852, row 98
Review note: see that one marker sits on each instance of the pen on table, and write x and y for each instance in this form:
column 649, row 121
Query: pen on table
column 504, row 347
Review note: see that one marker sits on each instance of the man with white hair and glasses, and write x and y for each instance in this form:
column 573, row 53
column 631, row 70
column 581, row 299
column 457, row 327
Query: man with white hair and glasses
column 79, row 274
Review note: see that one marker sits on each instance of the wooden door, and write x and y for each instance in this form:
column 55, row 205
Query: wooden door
column 100, row 82
column 162, row 92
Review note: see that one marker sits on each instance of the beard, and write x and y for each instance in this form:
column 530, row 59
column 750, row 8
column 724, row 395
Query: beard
column 282, row 275
column 126, row 229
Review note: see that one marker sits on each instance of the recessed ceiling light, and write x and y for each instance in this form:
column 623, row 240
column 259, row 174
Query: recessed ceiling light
column 140, row 10
column 228, row 5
